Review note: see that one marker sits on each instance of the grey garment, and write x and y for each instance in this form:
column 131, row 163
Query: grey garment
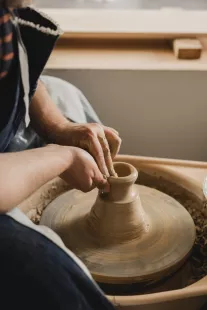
column 71, row 102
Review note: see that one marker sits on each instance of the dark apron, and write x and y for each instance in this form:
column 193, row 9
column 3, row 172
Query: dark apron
column 38, row 35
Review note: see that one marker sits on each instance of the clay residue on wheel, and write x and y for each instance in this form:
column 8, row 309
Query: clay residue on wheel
column 198, row 211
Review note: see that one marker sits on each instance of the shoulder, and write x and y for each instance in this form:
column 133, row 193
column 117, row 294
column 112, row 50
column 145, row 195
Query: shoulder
column 39, row 34
column 35, row 19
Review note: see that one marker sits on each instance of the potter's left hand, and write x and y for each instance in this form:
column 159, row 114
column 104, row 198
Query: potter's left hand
column 102, row 142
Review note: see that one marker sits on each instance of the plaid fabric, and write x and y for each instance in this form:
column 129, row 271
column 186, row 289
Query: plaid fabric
column 6, row 45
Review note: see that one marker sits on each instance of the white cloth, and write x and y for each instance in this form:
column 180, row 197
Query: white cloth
column 70, row 100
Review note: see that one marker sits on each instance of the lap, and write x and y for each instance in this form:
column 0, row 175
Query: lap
column 37, row 274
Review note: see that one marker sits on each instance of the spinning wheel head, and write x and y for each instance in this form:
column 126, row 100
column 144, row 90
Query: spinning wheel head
column 132, row 234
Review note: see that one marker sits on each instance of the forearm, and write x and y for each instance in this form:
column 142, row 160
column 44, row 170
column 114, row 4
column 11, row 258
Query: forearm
column 99, row 141
column 46, row 118
column 24, row 172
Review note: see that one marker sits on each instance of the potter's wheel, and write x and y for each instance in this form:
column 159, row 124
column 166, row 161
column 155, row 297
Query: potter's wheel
column 134, row 234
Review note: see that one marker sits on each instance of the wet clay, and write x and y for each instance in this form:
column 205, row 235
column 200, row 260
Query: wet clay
column 134, row 234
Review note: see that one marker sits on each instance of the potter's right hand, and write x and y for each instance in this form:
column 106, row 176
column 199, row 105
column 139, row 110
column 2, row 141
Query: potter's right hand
column 83, row 172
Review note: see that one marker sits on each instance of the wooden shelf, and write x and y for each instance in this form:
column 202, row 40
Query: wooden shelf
column 133, row 55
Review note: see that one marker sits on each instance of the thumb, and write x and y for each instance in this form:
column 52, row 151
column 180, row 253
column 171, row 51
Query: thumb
column 101, row 183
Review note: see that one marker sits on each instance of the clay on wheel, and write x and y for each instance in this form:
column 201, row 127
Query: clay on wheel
column 133, row 234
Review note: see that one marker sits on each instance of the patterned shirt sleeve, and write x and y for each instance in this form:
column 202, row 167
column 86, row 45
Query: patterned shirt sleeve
column 6, row 42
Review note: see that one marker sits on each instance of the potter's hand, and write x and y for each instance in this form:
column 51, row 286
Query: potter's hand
column 103, row 143
column 83, row 172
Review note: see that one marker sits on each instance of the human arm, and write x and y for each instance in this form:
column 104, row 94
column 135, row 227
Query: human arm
column 102, row 142
column 24, row 172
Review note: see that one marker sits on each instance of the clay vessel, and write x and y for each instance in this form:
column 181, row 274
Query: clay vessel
column 118, row 216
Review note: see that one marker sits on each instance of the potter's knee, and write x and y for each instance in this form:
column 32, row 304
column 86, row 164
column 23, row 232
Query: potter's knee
column 70, row 100
column 53, row 83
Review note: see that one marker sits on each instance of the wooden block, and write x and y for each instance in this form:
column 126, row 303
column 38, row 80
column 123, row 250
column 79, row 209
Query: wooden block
column 187, row 48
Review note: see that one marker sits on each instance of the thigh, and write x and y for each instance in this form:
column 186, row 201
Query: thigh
column 37, row 274
column 70, row 100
